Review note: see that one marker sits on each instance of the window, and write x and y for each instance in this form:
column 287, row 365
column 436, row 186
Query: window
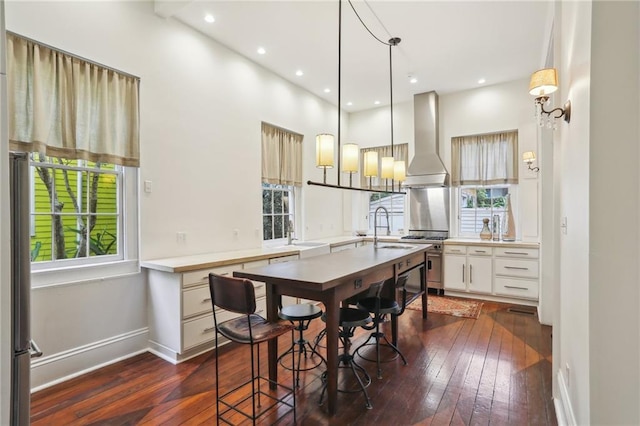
column 479, row 202
column 394, row 203
column 76, row 214
column 277, row 210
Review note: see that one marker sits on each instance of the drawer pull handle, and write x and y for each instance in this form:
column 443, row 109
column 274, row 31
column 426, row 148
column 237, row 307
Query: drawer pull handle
column 208, row 299
column 470, row 274
column 516, row 252
column 516, row 287
column 208, row 329
column 480, row 251
column 455, row 250
column 516, row 267
column 463, row 273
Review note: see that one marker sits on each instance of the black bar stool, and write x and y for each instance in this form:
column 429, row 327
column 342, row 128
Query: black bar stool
column 300, row 316
column 237, row 295
column 350, row 319
column 380, row 307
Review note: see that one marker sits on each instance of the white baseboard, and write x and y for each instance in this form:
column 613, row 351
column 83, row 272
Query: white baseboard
column 57, row 368
column 564, row 409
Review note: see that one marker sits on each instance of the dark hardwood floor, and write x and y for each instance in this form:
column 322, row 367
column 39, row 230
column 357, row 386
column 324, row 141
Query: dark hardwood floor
column 493, row 370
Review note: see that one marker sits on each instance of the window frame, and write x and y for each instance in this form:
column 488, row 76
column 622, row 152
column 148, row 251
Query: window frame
column 291, row 213
column 395, row 229
column 512, row 191
column 98, row 268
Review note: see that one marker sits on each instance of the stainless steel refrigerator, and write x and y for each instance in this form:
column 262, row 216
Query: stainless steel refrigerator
column 23, row 348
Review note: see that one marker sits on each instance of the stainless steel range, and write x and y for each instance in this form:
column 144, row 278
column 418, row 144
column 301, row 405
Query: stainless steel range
column 434, row 258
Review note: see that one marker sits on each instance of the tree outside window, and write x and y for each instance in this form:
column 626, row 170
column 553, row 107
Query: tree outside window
column 277, row 210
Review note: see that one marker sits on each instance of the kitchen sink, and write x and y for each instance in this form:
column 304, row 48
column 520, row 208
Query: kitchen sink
column 395, row 246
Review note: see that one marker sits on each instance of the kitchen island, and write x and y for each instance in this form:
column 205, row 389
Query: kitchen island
column 332, row 278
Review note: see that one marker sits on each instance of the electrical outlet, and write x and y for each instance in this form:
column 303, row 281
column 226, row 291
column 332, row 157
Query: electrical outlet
column 181, row 237
column 148, row 186
column 563, row 225
column 236, row 233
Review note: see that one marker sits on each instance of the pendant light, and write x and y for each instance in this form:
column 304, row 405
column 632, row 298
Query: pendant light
column 348, row 156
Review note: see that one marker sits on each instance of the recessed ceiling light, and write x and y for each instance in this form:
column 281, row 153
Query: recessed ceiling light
column 299, row 73
column 261, row 51
column 413, row 80
column 482, row 81
column 376, row 103
column 349, row 103
column 209, row 18
column 327, row 90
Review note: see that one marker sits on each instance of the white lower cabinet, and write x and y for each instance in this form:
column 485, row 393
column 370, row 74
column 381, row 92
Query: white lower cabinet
column 180, row 312
column 464, row 271
column 499, row 271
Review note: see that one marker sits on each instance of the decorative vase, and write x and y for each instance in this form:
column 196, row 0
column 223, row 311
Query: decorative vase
column 485, row 234
column 508, row 226
column 496, row 227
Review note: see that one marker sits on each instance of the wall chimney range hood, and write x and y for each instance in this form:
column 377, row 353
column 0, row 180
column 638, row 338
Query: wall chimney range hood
column 426, row 169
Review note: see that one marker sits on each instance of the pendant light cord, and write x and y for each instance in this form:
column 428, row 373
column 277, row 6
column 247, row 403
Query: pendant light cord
column 367, row 28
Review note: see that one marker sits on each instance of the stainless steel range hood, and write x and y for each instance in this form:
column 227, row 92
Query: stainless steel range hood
column 426, row 169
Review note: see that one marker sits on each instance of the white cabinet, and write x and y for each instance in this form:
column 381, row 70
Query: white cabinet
column 467, row 269
column 505, row 272
column 180, row 312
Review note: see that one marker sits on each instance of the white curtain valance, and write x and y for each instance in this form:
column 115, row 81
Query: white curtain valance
column 281, row 156
column 489, row 159
column 67, row 107
column 401, row 152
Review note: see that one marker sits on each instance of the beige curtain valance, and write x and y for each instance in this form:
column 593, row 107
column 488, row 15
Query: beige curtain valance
column 401, row 152
column 489, row 159
column 281, row 156
column 67, row 107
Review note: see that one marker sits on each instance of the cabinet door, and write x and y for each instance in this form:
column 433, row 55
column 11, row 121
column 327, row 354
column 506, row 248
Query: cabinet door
column 455, row 272
column 480, row 274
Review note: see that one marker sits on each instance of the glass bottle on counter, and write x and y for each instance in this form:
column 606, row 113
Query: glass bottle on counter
column 496, row 227
column 485, row 234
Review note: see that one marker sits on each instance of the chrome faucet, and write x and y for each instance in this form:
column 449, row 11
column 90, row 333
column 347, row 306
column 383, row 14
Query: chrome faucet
column 375, row 225
column 290, row 233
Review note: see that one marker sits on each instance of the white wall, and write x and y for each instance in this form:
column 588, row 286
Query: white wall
column 201, row 109
column 596, row 359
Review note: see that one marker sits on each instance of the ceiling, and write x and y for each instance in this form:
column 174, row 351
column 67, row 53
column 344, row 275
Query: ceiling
column 448, row 46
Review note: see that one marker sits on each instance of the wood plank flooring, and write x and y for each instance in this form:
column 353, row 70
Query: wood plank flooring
column 493, row 370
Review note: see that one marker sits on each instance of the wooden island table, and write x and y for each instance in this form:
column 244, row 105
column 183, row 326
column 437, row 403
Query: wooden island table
column 332, row 278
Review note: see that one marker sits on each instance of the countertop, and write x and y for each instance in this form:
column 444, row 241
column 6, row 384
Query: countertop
column 478, row 242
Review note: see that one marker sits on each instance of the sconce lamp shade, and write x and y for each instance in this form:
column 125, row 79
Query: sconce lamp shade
column 370, row 164
column 399, row 171
column 350, row 158
column 386, row 167
column 529, row 157
column 324, row 150
column 543, row 82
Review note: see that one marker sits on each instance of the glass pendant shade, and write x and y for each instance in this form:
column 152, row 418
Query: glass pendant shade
column 350, row 158
column 543, row 82
column 386, row 167
column 324, row 150
column 399, row 171
column 370, row 164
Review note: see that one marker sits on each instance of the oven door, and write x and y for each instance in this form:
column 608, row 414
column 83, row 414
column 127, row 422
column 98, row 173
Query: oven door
column 434, row 269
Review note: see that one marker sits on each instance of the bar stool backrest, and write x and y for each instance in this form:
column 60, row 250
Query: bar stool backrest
column 232, row 294
column 401, row 284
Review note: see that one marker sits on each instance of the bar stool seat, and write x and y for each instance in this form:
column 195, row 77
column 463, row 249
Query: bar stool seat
column 300, row 316
column 350, row 319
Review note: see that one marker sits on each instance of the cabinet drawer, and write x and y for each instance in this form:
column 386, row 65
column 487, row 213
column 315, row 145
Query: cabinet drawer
column 196, row 301
column 454, row 249
column 514, row 287
column 516, row 268
column 202, row 276
column 410, row 263
column 479, row 251
column 284, row 259
column 523, row 253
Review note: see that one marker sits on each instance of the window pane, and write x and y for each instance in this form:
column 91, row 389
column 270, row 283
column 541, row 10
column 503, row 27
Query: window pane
column 103, row 193
column 104, row 236
column 69, row 238
column 278, row 229
column 267, row 227
column 68, row 198
column 277, row 202
column 267, row 207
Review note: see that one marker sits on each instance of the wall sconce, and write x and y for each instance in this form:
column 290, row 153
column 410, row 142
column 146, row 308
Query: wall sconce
column 543, row 83
column 529, row 157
